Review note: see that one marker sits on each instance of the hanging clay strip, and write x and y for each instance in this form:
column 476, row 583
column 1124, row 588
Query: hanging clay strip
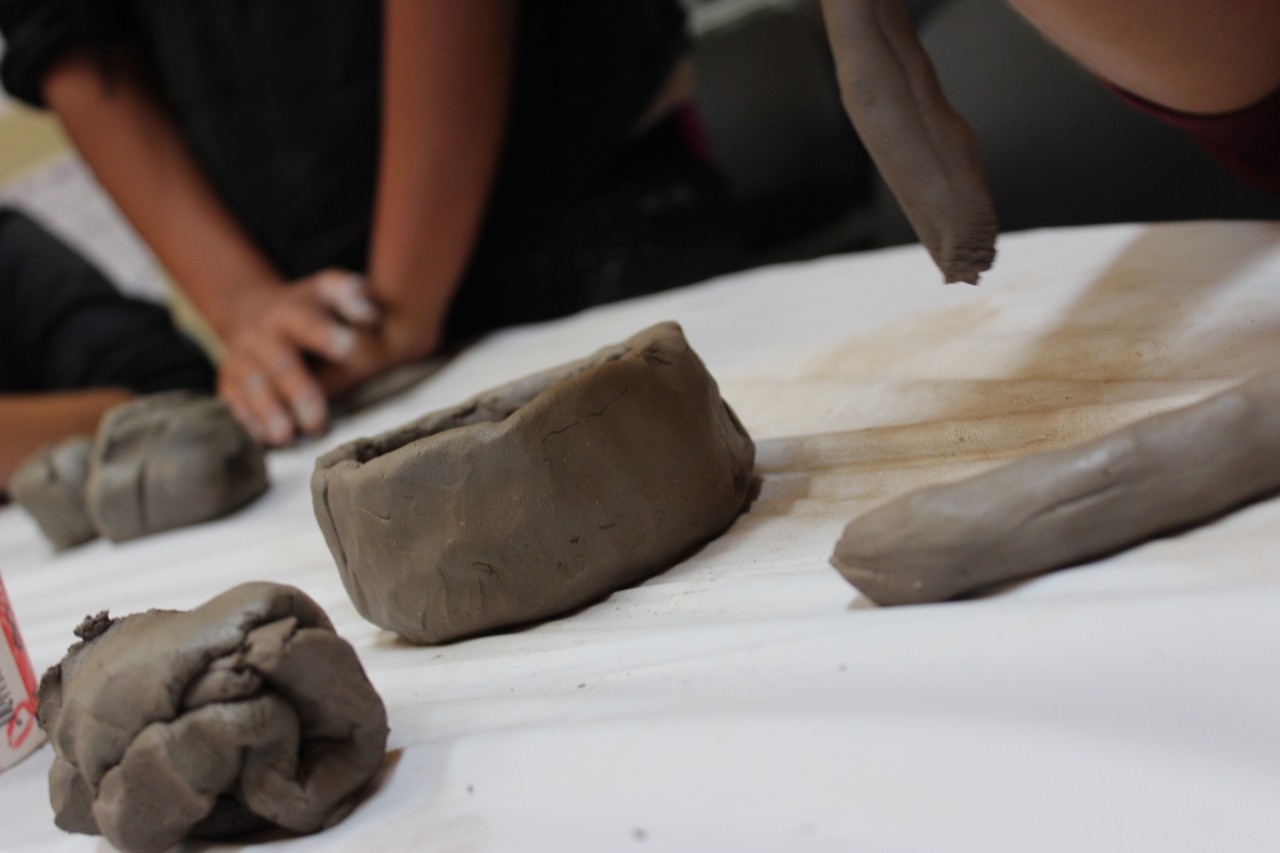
column 538, row 497
column 169, row 460
column 923, row 148
column 244, row 713
column 50, row 487
column 1057, row 509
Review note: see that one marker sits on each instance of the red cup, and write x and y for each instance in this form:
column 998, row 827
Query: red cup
column 19, row 734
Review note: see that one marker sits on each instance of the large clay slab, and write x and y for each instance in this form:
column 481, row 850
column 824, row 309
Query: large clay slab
column 169, row 460
column 248, row 711
column 50, row 487
column 1058, row 509
column 538, row 497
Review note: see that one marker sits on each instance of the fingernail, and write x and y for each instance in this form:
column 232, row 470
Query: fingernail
column 361, row 310
column 279, row 428
column 350, row 286
column 311, row 413
column 355, row 298
column 342, row 343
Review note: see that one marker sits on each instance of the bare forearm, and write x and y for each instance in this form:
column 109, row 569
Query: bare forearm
column 29, row 421
column 1197, row 56
column 127, row 137
column 446, row 89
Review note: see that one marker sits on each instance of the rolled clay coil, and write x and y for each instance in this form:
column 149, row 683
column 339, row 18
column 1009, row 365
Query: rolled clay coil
column 924, row 149
column 1058, row 509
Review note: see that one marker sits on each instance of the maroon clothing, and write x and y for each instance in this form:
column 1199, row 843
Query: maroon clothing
column 1246, row 141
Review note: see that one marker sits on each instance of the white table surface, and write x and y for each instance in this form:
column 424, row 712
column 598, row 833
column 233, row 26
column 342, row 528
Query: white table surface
column 748, row 698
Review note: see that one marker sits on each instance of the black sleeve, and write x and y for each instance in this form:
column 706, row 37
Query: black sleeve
column 37, row 32
column 63, row 325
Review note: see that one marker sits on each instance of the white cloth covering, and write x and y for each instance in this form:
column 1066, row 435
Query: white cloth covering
column 748, row 699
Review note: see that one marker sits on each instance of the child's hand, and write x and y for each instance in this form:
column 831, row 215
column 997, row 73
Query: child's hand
column 264, row 376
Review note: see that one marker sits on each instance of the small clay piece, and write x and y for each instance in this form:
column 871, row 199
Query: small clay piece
column 247, row 712
column 538, row 497
column 1057, row 509
column 50, row 486
column 169, row 460
column 924, row 149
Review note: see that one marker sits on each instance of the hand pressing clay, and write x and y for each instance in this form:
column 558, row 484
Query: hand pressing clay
column 50, row 486
column 924, row 149
column 538, row 497
column 1053, row 510
column 247, row 712
column 169, row 460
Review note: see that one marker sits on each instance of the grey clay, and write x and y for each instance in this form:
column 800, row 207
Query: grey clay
column 1057, row 509
column 538, row 497
column 244, row 713
column 923, row 148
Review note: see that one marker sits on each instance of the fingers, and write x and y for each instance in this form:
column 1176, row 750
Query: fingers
column 264, row 378
column 292, row 384
column 312, row 329
column 271, row 391
column 266, row 410
column 347, row 296
column 238, row 380
column 322, row 314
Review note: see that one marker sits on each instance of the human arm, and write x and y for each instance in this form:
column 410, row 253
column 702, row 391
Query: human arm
column 30, row 421
column 1194, row 56
column 447, row 81
column 147, row 167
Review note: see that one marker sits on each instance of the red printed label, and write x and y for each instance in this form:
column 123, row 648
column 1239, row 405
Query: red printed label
column 17, row 691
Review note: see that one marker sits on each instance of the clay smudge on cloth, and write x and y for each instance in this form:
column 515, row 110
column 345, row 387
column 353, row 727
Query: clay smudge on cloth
column 246, row 712
column 538, row 497
column 1061, row 508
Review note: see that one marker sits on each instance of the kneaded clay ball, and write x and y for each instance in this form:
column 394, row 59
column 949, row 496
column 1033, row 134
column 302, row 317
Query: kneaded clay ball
column 244, row 713
column 50, row 487
column 169, row 460
column 538, row 497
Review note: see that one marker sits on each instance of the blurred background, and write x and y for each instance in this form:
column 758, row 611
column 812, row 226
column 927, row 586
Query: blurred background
column 1060, row 149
